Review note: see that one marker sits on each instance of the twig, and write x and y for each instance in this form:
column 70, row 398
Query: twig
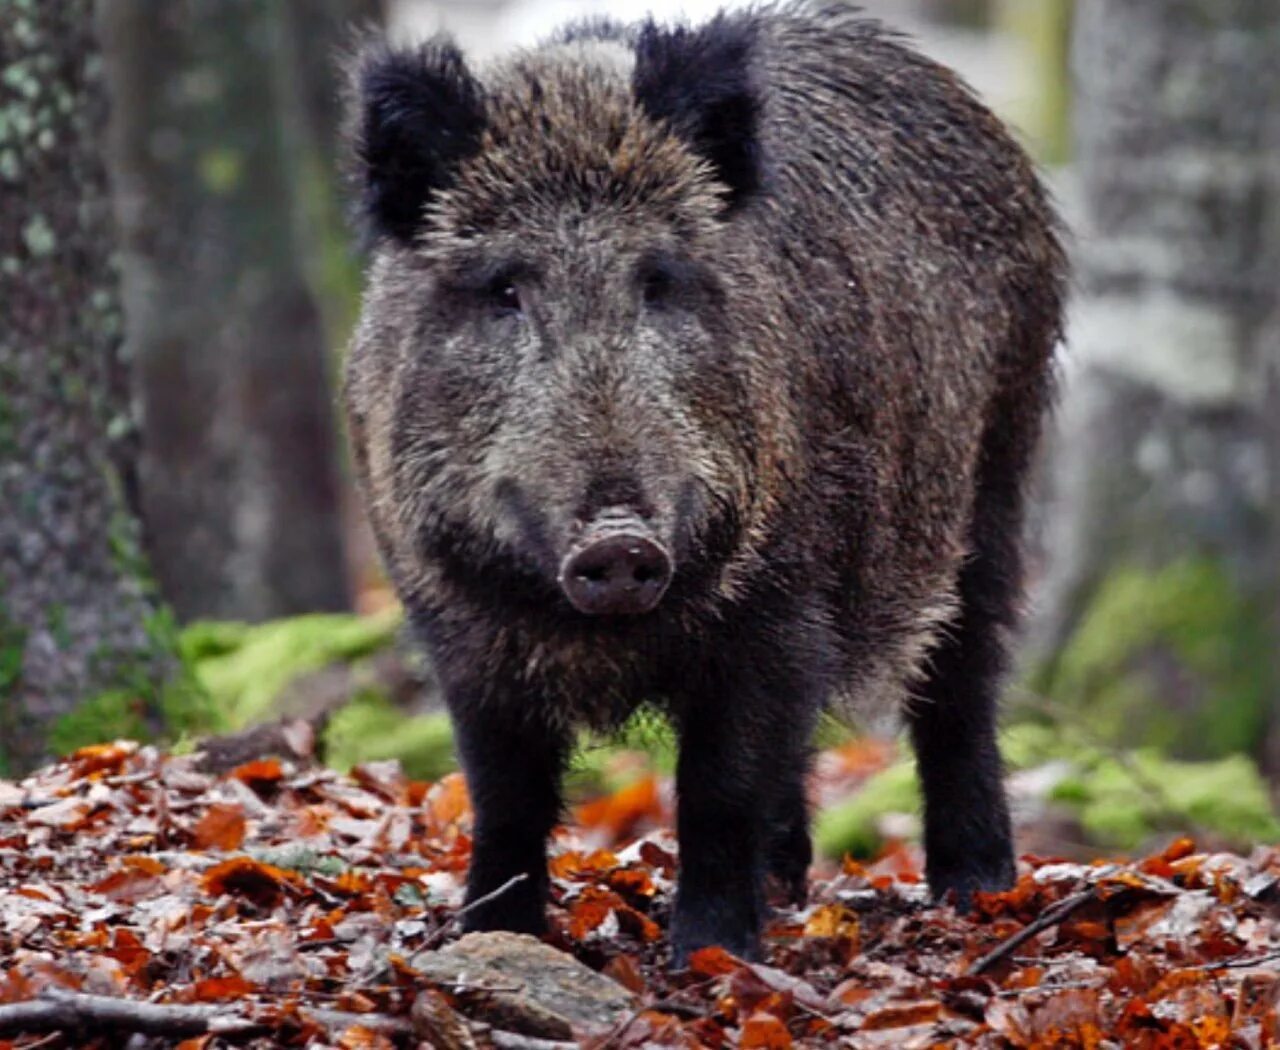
column 439, row 934
column 1049, row 989
column 1240, row 964
column 513, row 1041
column 1049, row 918
column 58, row 1009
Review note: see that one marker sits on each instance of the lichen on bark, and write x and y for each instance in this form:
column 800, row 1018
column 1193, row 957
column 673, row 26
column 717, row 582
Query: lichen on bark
column 74, row 593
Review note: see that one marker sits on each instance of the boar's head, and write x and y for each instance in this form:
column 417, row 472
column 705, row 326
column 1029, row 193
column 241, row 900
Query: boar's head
column 561, row 387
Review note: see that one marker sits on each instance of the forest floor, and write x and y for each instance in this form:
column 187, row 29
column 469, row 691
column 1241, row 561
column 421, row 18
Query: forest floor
column 145, row 901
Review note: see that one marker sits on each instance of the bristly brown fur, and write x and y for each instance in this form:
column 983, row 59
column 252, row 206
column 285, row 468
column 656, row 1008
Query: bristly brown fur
column 785, row 290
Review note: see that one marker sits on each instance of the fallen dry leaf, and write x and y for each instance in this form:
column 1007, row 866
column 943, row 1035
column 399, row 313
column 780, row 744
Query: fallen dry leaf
column 128, row 873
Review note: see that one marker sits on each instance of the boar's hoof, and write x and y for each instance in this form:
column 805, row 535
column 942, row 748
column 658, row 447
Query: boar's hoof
column 622, row 573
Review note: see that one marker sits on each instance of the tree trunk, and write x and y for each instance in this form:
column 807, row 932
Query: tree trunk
column 238, row 473
column 76, row 619
column 1161, row 540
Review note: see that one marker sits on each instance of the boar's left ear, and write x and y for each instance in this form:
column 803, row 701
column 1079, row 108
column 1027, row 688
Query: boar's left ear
column 704, row 84
column 416, row 115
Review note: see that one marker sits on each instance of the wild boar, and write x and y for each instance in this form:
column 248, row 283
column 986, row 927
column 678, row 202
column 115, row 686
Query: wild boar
column 702, row 366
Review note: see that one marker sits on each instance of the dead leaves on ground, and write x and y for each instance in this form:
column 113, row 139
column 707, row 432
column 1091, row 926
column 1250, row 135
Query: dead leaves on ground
column 132, row 874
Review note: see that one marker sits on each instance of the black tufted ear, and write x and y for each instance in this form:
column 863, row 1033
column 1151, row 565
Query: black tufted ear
column 703, row 82
column 418, row 114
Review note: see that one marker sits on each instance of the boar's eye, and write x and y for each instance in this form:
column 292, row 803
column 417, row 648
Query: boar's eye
column 658, row 285
column 669, row 281
column 503, row 295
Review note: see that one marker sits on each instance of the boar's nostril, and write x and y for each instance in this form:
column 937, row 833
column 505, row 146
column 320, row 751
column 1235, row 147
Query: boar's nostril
column 622, row 573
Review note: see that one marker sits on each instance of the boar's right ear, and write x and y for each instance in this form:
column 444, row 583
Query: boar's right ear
column 705, row 85
column 417, row 113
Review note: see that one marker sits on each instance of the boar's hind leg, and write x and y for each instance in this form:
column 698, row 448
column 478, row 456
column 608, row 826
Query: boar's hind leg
column 743, row 749
column 790, row 849
column 968, row 841
column 513, row 767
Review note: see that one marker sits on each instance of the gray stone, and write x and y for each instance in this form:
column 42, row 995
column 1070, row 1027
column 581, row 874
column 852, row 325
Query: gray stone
column 516, row 983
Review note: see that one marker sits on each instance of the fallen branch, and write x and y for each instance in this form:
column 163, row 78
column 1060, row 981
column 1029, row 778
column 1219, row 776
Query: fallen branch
column 1051, row 917
column 58, row 1010
column 439, row 934
column 512, row 1041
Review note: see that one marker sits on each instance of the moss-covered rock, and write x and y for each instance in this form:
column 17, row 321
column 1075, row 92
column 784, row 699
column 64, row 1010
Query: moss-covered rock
column 372, row 728
column 245, row 668
column 1177, row 659
column 853, row 827
column 1121, row 798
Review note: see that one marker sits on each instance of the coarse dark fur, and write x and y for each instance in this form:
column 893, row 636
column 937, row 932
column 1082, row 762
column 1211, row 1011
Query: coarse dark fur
column 782, row 290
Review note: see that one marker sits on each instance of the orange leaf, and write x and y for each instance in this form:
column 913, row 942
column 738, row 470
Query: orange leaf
column 619, row 813
column 101, row 758
column 631, row 882
column 764, row 1032
column 713, row 961
column 1178, row 848
column 358, row 1037
column 262, row 772
column 128, row 950
column 264, row 884
column 832, row 920
column 448, row 801
column 222, row 827
column 590, row 909
column 903, row 1015
column 135, row 880
column 212, row 989
column 573, row 864
column 864, row 756
column 309, row 821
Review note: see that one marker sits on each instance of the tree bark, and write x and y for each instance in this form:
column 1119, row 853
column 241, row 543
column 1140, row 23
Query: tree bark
column 75, row 603
column 238, row 473
column 1162, row 455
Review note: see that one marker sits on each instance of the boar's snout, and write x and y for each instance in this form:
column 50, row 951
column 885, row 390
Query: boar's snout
column 617, row 568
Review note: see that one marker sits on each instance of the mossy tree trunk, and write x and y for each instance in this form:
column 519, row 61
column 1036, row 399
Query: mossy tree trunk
column 238, row 474
column 76, row 618
column 1162, row 461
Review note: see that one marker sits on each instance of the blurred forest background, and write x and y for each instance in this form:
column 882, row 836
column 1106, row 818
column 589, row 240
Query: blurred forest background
column 180, row 551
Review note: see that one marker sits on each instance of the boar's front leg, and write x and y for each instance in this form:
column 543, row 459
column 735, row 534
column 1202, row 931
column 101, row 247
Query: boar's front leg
column 967, row 836
column 743, row 749
column 513, row 763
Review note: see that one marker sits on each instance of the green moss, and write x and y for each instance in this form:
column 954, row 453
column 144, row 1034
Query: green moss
column 116, row 714
column 852, row 827
column 1121, row 804
column 1122, row 799
column 206, row 638
column 302, row 859
column 56, row 617
column 244, row 668
column 221, row 170
column 372, row 728
column 1175, row 659
column 602, row 764
column 186, row 707
column 39, row 237
column 13, row 645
